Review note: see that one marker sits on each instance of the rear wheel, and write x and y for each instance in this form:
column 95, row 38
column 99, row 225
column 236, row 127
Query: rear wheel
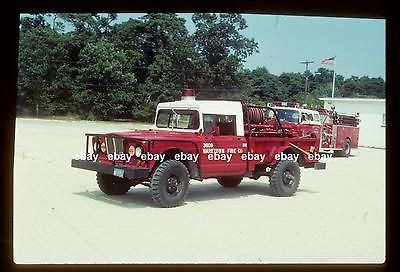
column 285, row 178
column 112, row 185
column 229, row 181
column 170, row 184
column 346, row 148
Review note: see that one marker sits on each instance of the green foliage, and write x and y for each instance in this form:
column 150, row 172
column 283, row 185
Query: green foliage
column 364, row 87
column 105, row 86
column 42, row 81
column 294, row 82
column 221, row 47
column 87, row 64
column 310, row 99
column 265, row 86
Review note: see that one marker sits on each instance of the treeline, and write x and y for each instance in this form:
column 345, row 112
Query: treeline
column 91, row 66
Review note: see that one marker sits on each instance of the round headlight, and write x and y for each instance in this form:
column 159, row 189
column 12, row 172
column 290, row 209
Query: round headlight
column 103, row 147
column 138, row 151
column 131, row 150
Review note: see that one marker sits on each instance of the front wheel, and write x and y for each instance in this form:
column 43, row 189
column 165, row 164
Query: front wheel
column 112, row 185
column 169, row 184
column 285, row 178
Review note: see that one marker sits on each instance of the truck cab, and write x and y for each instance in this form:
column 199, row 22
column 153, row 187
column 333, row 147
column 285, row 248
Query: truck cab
column 200, row 116
column 218, row 125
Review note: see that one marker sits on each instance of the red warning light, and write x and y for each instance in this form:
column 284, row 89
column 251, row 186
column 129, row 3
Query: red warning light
column 188, row 94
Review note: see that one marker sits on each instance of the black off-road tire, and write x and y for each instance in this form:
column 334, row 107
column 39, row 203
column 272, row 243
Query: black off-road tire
column 229, row 182
column 346, row 148
column 285, row 178
column 170, row 184
column 112, row 185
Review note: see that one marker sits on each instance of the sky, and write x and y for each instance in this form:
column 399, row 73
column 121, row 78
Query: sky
column 284, row 41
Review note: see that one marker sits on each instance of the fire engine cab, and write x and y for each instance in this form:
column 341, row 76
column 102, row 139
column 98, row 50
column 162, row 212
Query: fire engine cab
column 199, row 139
column 304, row 121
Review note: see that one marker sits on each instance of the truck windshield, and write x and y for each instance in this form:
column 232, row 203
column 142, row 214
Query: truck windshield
column 181, row 119
column 288, row 115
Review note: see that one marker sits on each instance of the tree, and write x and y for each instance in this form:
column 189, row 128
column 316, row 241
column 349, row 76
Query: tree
column 88, row 64
column 377, row 87
column 92, row 23
column 32, row 22
column 105, row 85
column 265, row 86
column 42, row 85
column 311, row 99
column 364, row 87
column 294, row 83
column 161, row 56
column 221, row 47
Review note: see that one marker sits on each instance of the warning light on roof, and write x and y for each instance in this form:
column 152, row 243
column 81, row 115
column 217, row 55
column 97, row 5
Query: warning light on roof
column 188, row 94
column 286, row 104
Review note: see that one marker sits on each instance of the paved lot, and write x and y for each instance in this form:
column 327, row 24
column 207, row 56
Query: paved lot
column 60, row 215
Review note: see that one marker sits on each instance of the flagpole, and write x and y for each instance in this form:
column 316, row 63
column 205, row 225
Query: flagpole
column 333, row 80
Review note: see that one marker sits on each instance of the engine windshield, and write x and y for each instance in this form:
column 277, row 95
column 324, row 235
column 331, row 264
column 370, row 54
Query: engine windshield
column 288, row 115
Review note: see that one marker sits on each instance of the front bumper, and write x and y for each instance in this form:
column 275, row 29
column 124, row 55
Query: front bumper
column 129, row 172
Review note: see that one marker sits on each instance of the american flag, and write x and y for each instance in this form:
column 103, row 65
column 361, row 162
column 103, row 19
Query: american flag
column 328, row 60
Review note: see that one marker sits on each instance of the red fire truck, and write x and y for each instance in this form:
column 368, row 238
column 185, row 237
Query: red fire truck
column 199, row 139
column 338, row 133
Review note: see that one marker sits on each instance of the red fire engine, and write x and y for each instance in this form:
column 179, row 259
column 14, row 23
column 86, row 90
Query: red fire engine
column 199, row 139
column 338, row 133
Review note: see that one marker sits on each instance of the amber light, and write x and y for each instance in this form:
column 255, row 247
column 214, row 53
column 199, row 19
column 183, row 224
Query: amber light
column 99, row 145
column 131, row 150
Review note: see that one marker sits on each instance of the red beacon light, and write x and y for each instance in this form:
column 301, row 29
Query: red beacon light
column 188, row 94
column 286, row 104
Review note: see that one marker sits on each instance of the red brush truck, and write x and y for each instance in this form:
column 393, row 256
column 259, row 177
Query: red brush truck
column 199, row 139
